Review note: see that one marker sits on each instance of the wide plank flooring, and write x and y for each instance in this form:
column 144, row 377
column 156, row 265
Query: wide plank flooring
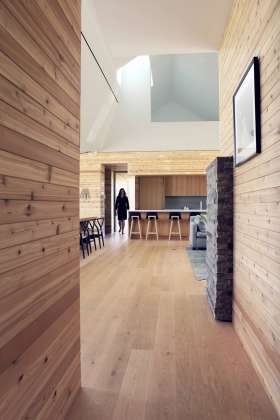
column 150, row 347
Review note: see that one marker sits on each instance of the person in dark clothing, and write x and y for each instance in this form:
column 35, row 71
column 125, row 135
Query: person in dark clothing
column 121, row 207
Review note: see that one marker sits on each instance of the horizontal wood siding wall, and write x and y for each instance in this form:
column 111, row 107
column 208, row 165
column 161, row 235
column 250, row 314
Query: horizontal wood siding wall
column 39, row 208
column 138, row 163
column 254, row 30
column 92, row 191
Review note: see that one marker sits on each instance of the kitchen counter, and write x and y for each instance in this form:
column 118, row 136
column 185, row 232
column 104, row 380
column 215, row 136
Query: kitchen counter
column 172, row 210
column 163, row 221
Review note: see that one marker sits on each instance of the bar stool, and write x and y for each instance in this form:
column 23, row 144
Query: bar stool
column 175, row 217
column 135, row 217
column 152, row 216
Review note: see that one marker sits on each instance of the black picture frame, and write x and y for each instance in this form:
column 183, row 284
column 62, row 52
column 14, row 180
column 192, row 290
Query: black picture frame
column 247, row 115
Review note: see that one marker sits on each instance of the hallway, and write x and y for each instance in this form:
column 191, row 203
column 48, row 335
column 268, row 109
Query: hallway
column 150, row 347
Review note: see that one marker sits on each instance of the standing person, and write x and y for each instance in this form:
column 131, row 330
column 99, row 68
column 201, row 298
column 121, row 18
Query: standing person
column 121, row 207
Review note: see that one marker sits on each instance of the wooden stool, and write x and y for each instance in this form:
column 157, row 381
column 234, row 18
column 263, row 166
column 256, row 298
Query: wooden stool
column 135, row 218
column 152, row 217
column 175, row 217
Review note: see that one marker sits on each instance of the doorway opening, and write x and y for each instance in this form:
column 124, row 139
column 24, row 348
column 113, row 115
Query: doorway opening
column 123, row 180
column 116, row 177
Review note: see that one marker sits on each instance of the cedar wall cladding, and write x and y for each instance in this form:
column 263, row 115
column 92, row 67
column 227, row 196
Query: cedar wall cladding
column 39, row 208
column 92, row 176
column 254, row 30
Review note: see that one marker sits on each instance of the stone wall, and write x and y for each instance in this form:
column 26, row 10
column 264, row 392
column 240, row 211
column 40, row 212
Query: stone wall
column 219, row 256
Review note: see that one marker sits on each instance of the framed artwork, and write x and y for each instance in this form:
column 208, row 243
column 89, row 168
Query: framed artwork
column 247, row 115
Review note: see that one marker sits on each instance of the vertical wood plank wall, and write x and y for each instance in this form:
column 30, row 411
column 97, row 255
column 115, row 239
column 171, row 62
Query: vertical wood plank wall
column 39, row 208
column 254, row 29
column 151, row 192
column 186, row 185
column 108, row 200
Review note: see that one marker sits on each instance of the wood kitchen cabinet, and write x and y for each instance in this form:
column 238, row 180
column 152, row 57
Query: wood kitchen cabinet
column 176, row 185
column 151, row 192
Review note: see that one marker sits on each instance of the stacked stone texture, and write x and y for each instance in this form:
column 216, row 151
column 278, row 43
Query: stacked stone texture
column 219, row 256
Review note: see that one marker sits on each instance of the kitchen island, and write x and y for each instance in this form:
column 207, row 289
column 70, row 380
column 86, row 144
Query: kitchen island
column 163, row 221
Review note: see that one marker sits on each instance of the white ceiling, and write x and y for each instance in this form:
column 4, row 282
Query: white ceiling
column 136, row 27
column 188, row 80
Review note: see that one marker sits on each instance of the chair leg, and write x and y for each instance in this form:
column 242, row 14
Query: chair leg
column 82, row 246
column 170, row 229
column 156, row 228
column 131, row 227
column 89, row 244
column 148, row 229
column 179, row 229
column 139, row 228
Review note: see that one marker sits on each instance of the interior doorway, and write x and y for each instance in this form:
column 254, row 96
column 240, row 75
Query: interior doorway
column 123, row 180
column 116, row 177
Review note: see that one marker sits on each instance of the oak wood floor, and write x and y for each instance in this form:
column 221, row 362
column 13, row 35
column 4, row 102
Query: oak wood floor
column 150, row 348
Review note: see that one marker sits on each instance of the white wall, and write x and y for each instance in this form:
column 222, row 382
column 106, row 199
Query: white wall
column 94, row 34
column 132, row 129
column 126, row 126
column 188, row 80
column 97, row 100
column 172, row 111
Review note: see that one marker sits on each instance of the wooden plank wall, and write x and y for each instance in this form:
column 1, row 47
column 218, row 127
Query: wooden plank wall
column 108, row 200
column 254, row 29
column 39, row 208
column 137, row 192
column 152, row 163
column 93, row 181
column 138, row 163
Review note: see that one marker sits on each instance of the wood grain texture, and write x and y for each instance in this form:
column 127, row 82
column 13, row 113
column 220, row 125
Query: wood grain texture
column 185, row 185
column 254, row 30
column 151, row 192
column 150, row 347
column 108, row 201
column 152, row 163
column 138, row 164
column 92, row 182
column 39, row 209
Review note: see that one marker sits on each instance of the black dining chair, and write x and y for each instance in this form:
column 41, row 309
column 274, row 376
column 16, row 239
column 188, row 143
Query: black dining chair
column 100, row 223
column 84, row 238
column 94, row 232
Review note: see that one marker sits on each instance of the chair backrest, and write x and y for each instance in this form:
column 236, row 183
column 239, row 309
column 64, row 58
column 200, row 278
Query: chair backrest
column 84, row 226
column 84, row 229
column 93, row 226
column 99, row 223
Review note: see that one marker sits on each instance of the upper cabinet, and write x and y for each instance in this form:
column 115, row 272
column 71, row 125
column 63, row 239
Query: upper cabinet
column 151, row 192
column 176, row 185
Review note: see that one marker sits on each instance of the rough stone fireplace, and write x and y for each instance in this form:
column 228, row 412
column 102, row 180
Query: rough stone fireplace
column 219, row 255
